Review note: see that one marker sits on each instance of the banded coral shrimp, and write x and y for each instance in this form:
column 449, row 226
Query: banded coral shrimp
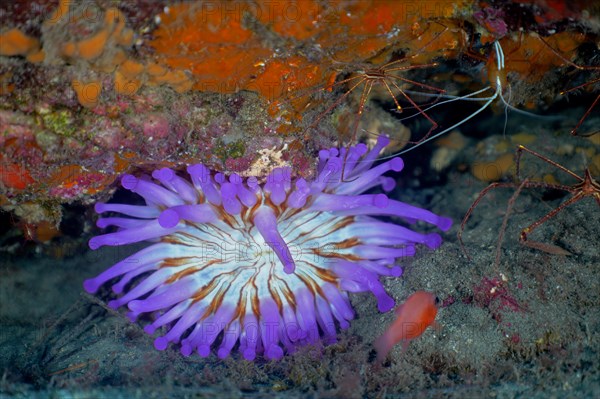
column 500, row 91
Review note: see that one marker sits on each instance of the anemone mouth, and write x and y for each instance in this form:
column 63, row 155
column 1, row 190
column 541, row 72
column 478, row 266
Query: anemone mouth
column 261, row 268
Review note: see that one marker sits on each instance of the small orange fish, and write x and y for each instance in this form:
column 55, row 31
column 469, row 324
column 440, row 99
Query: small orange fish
column 413, row 317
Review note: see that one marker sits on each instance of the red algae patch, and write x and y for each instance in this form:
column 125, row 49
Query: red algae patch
column 14, row 176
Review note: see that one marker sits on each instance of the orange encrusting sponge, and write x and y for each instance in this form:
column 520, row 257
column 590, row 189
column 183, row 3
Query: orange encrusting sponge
column 14, row 42
column 494, row 170
column 127, row 77
column 87, row 92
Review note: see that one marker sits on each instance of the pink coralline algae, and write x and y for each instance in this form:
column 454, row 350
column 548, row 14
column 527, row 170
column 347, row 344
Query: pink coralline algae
column 266, row 268
column 493, row 20
column 156, row 126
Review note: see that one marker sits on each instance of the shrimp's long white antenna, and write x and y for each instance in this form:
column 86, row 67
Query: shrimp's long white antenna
column 449, row 98
column 471, row 97
column 457, row 124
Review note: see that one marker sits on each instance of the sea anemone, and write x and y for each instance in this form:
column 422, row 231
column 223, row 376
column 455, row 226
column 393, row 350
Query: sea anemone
column 268, row 266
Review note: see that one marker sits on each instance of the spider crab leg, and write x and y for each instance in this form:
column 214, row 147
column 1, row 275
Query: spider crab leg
column 586, row 186
column 587, row 113
column 593, row 81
